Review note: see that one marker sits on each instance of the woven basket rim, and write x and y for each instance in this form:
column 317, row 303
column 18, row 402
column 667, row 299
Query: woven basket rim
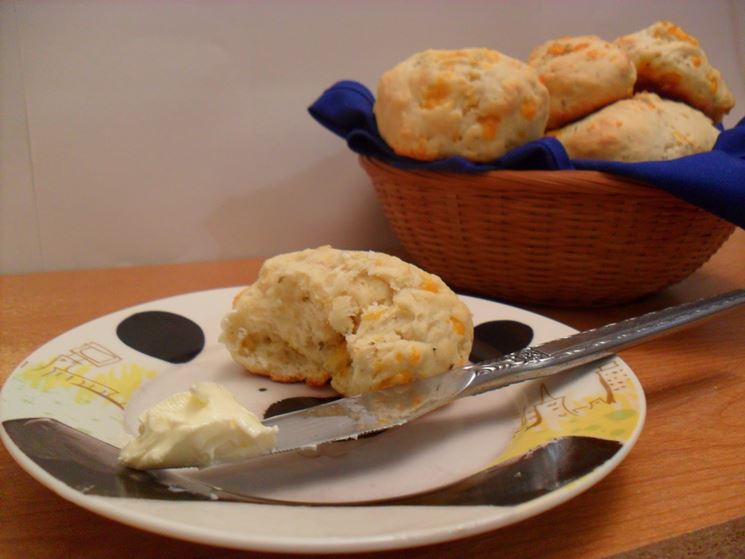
column 575, row 180
column 551, row 228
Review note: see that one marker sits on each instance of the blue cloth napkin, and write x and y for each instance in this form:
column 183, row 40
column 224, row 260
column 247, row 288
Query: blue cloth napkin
column 714, row 181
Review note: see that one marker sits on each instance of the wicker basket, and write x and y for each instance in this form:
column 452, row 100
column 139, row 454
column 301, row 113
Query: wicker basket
column 564, row 238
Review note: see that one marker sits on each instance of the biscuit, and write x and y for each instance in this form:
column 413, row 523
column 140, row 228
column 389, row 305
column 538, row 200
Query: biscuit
column 582, row 74
column 362, row 320
column 671, row 62
column 476, row 103
column 643, row 128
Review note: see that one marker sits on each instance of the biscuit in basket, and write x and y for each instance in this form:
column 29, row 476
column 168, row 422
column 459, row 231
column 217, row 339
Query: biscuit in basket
column 643, row 128
column 671, row 62
column 476, row 103
column 582, row 74
column 363, row 320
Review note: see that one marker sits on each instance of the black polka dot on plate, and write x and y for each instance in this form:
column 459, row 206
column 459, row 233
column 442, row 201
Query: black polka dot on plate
column 497, row 338
column 295, row 404
column 163, row 335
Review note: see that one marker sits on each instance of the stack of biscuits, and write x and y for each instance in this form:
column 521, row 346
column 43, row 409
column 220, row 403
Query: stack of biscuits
column 647, row 96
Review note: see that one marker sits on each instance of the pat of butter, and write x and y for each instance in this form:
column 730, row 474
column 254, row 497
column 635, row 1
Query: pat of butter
column 197, row 428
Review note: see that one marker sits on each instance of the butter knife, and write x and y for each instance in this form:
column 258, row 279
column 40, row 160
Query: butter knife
column 352, row 417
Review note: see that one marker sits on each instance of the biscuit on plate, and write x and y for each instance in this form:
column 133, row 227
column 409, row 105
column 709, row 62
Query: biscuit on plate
column 476, row 103
column 643, row 128
column 582, row 74
column 671, row 62
column 363, row 320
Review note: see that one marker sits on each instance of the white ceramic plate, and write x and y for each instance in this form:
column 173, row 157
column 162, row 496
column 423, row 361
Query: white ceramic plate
column 481, row 463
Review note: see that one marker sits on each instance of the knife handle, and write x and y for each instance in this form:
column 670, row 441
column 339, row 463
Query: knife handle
column 593, row 345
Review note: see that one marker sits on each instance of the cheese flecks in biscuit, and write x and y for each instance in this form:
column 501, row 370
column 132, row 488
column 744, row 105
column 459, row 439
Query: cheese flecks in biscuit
column 582, row 74
column 362, row 320
column 643, row 128
column 671, row 62
column 476, row 103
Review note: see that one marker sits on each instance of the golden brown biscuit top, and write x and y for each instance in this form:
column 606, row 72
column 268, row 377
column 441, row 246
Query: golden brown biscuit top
column 582, row 74
column 671, row 62
column 667, row 30
column 476, row 103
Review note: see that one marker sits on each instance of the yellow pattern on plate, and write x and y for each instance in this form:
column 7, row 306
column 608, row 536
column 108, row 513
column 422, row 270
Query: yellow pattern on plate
column 609, row 414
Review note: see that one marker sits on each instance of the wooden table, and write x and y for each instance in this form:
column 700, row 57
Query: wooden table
column 681, row 489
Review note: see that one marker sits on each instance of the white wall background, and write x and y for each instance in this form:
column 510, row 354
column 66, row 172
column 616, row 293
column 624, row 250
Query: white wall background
column 172, row 131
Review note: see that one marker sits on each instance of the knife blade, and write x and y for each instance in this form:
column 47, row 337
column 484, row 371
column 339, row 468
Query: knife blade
column 352, row 417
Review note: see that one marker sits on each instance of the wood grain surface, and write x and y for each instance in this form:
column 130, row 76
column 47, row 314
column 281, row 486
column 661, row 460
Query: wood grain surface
column 686, row 474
